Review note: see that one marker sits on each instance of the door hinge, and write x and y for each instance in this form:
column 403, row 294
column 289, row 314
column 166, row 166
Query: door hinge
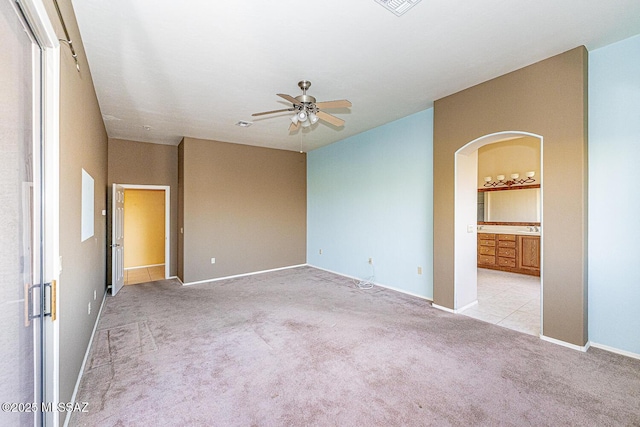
column 32, row 301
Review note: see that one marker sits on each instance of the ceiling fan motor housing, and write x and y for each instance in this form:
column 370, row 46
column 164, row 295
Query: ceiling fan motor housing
column 308, row 101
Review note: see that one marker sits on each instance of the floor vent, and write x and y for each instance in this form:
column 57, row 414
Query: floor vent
column 398, row 7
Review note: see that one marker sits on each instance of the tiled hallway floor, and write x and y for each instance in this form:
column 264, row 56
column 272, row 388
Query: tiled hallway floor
column 508, row 299
column 145, row 274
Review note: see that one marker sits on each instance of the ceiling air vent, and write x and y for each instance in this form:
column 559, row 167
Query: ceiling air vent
column 398, row 7
column 244, row 124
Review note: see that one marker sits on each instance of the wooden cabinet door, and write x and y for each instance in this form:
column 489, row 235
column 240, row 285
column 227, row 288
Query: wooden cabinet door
column 529, row 254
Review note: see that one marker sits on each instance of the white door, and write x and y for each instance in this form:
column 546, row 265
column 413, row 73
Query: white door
column 117, row 239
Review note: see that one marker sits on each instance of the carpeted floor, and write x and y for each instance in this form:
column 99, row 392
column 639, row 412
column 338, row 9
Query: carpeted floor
column 306, row 347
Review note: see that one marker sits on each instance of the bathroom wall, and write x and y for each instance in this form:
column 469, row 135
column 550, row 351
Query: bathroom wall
column 519, row 155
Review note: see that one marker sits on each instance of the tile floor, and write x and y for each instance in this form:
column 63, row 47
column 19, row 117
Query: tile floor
column 508, row 299
column 144, row 274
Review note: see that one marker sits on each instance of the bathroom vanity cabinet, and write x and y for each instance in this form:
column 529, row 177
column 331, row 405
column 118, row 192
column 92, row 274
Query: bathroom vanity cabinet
column 509, row 252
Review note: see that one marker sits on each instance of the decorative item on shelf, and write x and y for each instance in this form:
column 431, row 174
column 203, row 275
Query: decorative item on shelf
column 515, row 180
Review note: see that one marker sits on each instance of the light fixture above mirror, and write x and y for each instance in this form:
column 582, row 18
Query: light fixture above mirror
column 515, row 180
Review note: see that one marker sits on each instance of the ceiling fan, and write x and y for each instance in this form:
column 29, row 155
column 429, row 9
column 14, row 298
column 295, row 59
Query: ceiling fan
column 307, row 110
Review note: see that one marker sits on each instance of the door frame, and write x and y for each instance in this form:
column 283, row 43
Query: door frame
column 36, row 15
column 167, row 219
column 465, row 250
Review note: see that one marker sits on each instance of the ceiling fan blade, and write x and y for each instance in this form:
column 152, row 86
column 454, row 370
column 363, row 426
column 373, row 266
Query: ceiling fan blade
column 271, row 112
column 341, row 103
column 329, row 118
column 289, row 98
column 293, row 126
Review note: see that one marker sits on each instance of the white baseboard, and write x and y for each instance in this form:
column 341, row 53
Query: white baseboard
column 471, row 304
column 86, row 356
column 391, row 288
column 402, row 291
column 583, row 348
column 455, row 311
column 240, row 275
column 447, row 309
column 615, row 350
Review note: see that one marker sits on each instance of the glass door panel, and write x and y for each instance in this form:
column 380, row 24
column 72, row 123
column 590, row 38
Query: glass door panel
column 20, row 223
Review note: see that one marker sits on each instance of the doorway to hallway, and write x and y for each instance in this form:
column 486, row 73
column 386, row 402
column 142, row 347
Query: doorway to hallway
column 145, row 222
column 144, row 231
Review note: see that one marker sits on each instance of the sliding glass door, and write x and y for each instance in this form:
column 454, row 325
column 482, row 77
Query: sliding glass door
column 22, row 296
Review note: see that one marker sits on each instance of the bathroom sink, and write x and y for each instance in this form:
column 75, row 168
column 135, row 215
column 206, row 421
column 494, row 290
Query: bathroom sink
column 508, row 229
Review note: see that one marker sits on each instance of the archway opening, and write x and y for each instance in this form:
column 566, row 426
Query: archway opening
column 466, row 242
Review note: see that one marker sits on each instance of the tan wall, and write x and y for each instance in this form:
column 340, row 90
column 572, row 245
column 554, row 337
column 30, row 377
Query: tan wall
column 504, row 158
column 548, row 98
column 83, row 144
column 243, row 205
column 141, row 163
column 143, row 227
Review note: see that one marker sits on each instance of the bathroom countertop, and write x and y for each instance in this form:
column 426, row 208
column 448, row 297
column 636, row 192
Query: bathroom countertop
column 526, row 230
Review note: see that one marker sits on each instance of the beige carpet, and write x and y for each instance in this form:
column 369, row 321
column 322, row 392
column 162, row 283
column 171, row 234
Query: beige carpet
column 306, row 347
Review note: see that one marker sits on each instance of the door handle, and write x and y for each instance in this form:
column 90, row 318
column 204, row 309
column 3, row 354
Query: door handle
column 115, row 245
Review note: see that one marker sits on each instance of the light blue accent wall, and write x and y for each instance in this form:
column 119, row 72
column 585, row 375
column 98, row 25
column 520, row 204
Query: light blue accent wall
column 614, row 195
column 371, row 196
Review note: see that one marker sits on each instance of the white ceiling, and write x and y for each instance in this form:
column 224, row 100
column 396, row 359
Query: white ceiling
column 196, row 67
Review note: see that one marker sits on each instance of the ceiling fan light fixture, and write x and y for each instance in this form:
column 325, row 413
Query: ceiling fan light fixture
column 313, row 118
column 306, row 124
column 302, row 116
column 294, row 119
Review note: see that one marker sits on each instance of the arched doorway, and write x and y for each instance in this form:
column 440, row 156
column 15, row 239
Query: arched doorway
column 465, row 236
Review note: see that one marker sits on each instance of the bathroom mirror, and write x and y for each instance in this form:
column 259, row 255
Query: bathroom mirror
column 509, row 206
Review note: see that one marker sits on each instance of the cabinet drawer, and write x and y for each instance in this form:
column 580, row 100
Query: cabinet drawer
column 487, row 250
column 487, row 242
column 506, row 262
column 507, row 252
column 487, row 259
column 506, row 244
column 511, row 237
column 486, row 236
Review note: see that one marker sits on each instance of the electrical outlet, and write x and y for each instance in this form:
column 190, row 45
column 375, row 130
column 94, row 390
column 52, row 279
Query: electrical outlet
column 370, row 260
column 95, row 294
column 419, row 270
column 89, row 308
column 213, row 260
